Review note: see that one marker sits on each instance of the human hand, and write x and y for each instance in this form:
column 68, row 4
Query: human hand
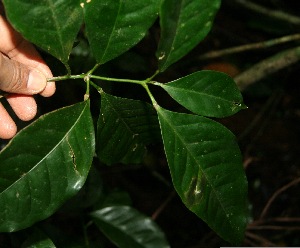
column 23, row 73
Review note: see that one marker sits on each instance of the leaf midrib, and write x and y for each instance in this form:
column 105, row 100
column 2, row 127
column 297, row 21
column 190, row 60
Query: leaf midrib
column 175, row 35
column 122, row 119
column 188, row 150
column 57, row 26
column 46, row 155
column 112, row 31
column 185, row 91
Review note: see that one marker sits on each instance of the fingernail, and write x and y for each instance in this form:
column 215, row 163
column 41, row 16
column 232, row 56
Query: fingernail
column 36, row 81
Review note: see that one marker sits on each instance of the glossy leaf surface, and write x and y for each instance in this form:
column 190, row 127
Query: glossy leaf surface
column 51, row 25
column 184, row 23
column 44, row 165
column 207, row 93
column 115, row 26
column 125, row 127
column 126, row 227
column 207, row 172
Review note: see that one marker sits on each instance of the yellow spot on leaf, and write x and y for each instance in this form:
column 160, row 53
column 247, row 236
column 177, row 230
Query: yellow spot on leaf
column 162, row 55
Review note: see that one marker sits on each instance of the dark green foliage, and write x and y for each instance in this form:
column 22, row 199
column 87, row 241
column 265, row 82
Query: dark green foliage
column 207, row 93
column 134, row 124
column 118, row 25
column 45, row 24
column 203, row 158
column 48, row 161
column 184, row 23
column 128, row 228
column 44, row 165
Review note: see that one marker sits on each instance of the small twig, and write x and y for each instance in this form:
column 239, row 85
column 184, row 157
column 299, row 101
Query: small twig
column 65, row 77
column 247, row 161
column 285, row 219
column 277, row 219
column 260, row 239
column 163, row 206
column 276, row 194
column 271, row 227
column 267, row 67
column 275, row 14
column 162, row 179
column 252, row 46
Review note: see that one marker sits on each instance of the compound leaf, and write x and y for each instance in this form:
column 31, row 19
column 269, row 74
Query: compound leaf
column 115, row 26
column 44, row 165
column 207, row 93
column 126, row 227
column 207, row 172
column 125, row 127
column 184, row 23
column 50, row 24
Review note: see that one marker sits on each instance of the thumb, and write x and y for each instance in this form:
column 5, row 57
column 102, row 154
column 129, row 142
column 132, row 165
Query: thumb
column 18, row 78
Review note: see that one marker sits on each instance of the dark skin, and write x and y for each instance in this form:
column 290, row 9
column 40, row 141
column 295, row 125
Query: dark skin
column 23, row 73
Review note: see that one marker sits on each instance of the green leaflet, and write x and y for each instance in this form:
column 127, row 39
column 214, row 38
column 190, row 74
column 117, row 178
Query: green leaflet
column 207, row 93
column 44, row 23
column 126, row 227
column 134, row 124
column 207, row 172
column 115, row 26
column 44, row 165
column 184, row 23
